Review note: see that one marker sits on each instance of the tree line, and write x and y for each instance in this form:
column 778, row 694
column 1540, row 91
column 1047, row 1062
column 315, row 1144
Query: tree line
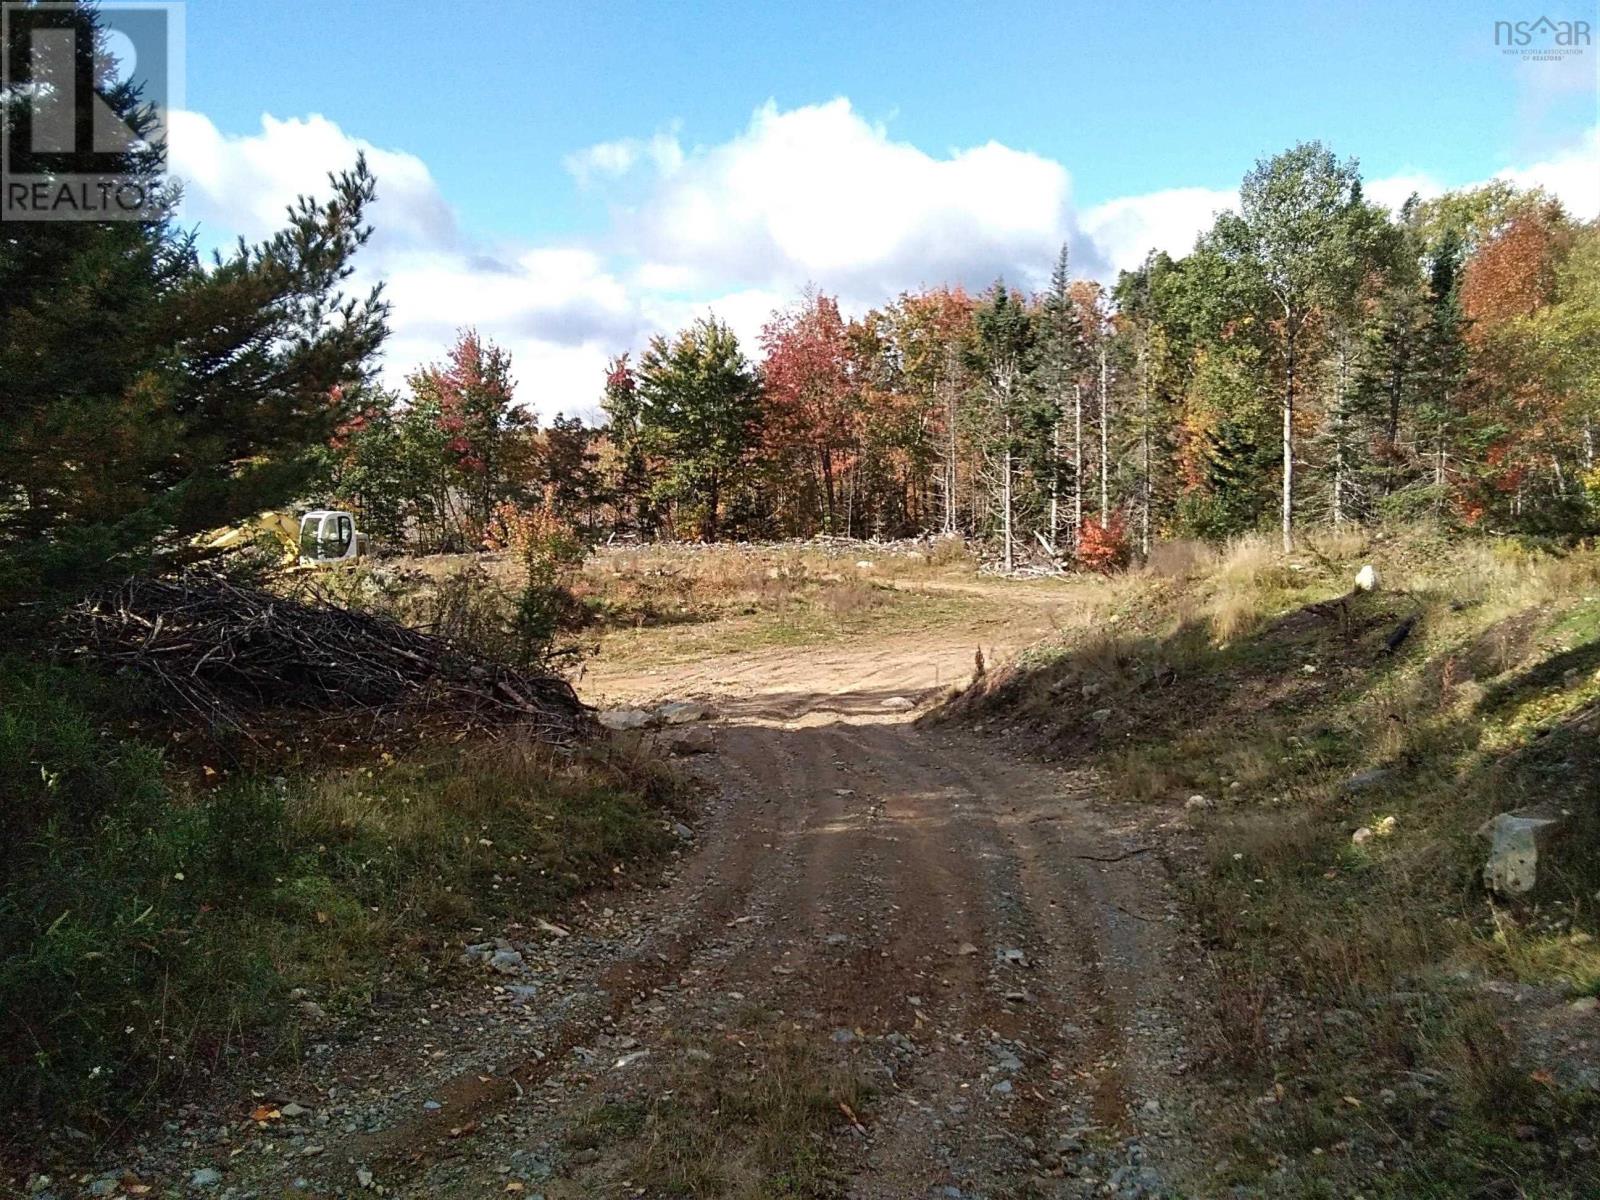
column 1316, row 360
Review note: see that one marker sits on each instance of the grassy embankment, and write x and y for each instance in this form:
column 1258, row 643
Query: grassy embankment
column 165, row 908
column 1364, row 988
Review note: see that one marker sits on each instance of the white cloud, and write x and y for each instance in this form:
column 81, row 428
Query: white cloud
column 820, row 194
column 612, row 160
column 242, row 184
column 1573, row 174
column 1126, row 230
column 1394, row 190
column 559, row 310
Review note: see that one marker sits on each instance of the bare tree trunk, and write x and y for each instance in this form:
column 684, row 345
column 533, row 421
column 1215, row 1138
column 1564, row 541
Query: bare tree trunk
column 1338, row 437
column 1105, row 463
column 1288, row 453
column 1055, row 480
column 1005, row 498
column 1438, row 473
column 951, row 474
column 1077, row 462
column 1145, row 487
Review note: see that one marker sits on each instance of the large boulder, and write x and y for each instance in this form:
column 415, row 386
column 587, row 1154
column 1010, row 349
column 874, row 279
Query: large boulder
column 624, row 720
column 1515, row 843
column 683, row 712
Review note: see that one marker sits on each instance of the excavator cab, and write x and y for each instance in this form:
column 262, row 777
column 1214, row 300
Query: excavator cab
column 330, row 536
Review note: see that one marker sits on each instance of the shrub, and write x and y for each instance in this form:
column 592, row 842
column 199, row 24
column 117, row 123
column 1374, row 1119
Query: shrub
column 549, row 551
column 1104, row 548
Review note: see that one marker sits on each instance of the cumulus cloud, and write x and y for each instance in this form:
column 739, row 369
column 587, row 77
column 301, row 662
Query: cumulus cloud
column 818, row 193
column 606, row 161
column 241, row 184
column 558, row 309
column 1573, row 174
column 1125, row 230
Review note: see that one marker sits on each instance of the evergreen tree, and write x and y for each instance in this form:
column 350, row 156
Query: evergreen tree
column 145, row 396
column 699, row 406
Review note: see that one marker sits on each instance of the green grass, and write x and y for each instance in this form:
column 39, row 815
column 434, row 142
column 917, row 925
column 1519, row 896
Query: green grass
column 152, row 926
column 1347, row 972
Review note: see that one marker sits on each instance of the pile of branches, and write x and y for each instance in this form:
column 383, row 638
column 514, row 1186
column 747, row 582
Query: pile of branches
column 221, row 652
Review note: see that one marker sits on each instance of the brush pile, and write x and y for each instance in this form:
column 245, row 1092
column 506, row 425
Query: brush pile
column 221, row 652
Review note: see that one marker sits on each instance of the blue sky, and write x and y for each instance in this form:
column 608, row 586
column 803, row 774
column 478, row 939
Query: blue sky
column 1105, row 124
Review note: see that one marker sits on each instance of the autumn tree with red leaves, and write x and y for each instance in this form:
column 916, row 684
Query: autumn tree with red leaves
column 811, row 411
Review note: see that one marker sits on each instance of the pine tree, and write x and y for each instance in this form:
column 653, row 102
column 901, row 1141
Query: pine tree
column 144, row 396
column 699, row 411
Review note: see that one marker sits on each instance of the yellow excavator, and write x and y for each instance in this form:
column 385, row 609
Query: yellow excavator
column 321, row 537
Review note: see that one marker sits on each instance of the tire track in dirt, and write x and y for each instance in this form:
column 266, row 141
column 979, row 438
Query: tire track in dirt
column 912, row 901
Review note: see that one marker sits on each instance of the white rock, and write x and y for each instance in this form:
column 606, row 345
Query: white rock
column 1514, row 844
column 1362, row 836
column 898, row 704
column 682, row 712
column 1367, row 579
column 1195, row 802
column 623, row 719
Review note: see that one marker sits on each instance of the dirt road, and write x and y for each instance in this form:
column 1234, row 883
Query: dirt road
column 894, row 961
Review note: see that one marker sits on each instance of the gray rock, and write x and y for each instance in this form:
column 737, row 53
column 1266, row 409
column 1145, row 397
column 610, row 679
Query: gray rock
column 1002, row 1088
column 681, row 830
column 1195, row 803
column 697, row 739
column 506, row 962
column 1515, row 842
column 205, row 1177
column 682, row 712
column 624, row 719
